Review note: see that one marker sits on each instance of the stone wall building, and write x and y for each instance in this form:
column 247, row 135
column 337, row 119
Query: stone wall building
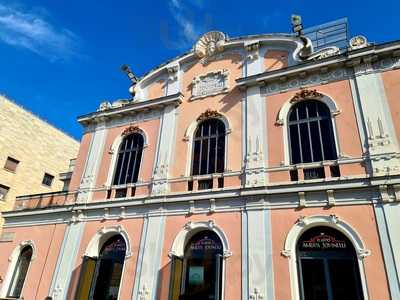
column 33, row 153
column 248, row 168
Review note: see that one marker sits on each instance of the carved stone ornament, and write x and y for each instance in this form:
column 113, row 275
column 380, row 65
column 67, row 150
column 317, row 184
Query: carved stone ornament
column 209, row 44
column 306, row 94
column 324, row 53
column 358, row 42
column 208, row 114
column 130, row 130
column 104, row 106
column 212, row 83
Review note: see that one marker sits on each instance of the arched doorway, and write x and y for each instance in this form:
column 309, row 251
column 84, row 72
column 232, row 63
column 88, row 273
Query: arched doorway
column 101, row 277
column 327, row 266
column 198, row 276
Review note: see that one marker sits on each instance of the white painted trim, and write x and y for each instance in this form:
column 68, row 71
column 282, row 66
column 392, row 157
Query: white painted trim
column 334, row 222
column 189, row 136
column 13, row 259
column 114, row 149
column 284, row 114
column 191, row 228
column 98, row 240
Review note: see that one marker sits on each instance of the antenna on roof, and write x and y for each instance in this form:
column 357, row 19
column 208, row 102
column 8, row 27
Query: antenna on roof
column 297, row 25
column 132, row 77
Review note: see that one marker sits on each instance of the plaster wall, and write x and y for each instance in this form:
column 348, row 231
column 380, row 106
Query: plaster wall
column 227, row 104
column 391, row 82
column 345, row 122
column 230, row 223
column 151, row 130
column 133, row 228
column 284, row 219
column 47, row 241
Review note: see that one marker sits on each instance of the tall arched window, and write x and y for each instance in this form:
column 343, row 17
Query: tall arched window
column 129, row 158
column 101, row 276
column 209, row 149
column 198, row 276
column 311, row 137
column 328, row 266
column 20, row 271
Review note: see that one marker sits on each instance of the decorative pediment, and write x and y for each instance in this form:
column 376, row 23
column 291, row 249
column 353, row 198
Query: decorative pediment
column 131, row 129
column 208, row 114
column 212, row 83
column 209, row 44
column 306, row 94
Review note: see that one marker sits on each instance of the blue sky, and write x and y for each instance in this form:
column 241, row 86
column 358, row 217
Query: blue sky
column 60, row 58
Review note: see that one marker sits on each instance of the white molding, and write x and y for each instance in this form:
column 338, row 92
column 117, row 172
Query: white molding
column 105, row 233
column 13, row 259
column 191, row 228
column 305, row 223
column 283, row 117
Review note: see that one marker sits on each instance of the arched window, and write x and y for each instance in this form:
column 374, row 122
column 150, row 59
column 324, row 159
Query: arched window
column 311, row 138
column 327, row 266
column 20, row 271
column 209, row 150
column 198, row 276
column 101, row 276
column 129, row 158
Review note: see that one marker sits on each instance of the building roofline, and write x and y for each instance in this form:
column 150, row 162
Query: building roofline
column 6, row 98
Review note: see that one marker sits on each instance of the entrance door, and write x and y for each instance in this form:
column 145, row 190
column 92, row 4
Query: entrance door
column 328, row 266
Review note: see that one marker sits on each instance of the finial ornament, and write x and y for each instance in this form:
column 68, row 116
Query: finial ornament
column 131, row 129
column 306, row 94
column 358, row 42
column 209, row 44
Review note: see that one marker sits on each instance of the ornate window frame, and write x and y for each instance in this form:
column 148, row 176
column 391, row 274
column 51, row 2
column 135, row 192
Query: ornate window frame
column 189, row 136
column 96, row 243
column 13, row 259
column 305, row 95
column 305, row 223
column 114, row 151
column 190, row 229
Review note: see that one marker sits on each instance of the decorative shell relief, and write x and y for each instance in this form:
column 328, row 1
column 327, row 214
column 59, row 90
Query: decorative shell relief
column 208, row 114
column 358, row 42
column 209, row 44
column 130, row 130
column 306, row 94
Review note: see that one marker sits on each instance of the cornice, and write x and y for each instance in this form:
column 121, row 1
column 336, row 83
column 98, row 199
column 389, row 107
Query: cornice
column 331, row 68
column 131, row 107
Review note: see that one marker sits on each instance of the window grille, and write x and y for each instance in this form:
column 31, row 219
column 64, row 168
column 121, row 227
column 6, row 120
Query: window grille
column 209, row 148
column 129, row 158
column 311, row 137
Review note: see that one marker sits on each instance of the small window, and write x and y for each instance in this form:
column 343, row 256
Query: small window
column 3, row 191
column 47, row 179
column 11, row 164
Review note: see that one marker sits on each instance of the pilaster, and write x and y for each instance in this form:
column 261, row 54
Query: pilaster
column 93, row 162
column 381, row 143
column 66, row 259
column 258, row 278
column 165, row 150
column 150, row 252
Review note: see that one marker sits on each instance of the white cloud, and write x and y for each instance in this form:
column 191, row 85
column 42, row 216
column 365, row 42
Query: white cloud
column 29, row 30
column 189, row 31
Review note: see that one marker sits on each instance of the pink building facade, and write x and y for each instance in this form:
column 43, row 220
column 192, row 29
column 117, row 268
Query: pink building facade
column 247, row 168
